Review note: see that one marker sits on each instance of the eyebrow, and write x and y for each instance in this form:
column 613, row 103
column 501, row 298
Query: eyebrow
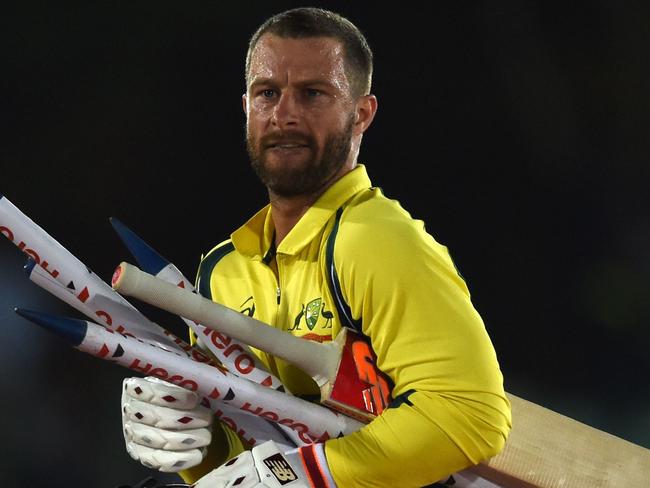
column 308, row 82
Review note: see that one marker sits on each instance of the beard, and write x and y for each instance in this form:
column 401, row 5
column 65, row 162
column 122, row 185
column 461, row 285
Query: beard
column 311, row 174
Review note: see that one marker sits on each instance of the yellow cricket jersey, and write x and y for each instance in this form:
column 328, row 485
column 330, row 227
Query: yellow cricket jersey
column 401, row 288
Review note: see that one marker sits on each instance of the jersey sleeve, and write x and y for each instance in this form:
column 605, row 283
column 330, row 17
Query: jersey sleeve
column 431, row 341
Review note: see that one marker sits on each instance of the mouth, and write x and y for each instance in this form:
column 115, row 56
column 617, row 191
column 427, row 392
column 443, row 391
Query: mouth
column 287, row 145
column 288, row 150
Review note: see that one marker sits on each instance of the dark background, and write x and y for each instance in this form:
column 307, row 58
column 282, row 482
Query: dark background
column 518, row 131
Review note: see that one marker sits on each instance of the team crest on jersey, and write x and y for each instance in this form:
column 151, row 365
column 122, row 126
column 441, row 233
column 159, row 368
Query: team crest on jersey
column 310, row 313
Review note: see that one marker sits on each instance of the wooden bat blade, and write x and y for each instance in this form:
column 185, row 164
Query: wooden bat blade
column 546, row 449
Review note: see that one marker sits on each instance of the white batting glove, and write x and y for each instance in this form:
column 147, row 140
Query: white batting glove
column 266, row 466
column 165, row 427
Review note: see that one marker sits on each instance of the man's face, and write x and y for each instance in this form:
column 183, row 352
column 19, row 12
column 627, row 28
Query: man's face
column 299, row 113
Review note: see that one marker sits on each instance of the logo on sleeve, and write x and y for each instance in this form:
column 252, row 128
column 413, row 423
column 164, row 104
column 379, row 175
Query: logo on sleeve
column 280, row 468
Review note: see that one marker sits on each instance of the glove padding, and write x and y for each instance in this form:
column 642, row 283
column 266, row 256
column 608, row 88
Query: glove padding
column 265, row 466
column 165, row 427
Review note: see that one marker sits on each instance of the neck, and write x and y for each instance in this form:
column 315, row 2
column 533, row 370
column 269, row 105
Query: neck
column 286, row 211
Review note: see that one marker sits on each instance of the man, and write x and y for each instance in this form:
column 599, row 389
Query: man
column 328, row 237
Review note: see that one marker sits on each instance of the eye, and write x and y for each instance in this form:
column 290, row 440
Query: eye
column 312, row 92
column 265, row 93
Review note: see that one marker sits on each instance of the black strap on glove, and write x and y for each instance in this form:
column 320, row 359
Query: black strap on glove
column 152, row 483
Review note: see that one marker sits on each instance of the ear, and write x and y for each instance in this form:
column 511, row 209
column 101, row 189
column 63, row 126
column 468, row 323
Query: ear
column 244, row 102
column 366, row 108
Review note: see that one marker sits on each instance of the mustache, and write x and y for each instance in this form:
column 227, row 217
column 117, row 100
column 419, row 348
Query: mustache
column 286, row 137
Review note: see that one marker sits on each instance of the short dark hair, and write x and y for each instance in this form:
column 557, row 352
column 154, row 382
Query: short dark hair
column 306, row 22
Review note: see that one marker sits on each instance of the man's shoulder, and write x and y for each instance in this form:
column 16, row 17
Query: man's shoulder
column 216, row 254
column 375, row 225
column 372, row 211
column 224, row 247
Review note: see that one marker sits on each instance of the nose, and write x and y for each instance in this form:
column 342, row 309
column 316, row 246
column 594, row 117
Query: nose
column 286, row 112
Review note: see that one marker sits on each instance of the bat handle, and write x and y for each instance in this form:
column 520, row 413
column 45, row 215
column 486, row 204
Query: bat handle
column 320, row 361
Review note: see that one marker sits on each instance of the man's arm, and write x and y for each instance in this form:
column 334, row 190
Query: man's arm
column 431, row 341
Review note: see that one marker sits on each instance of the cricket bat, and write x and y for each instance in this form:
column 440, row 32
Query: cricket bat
column 544, row 449
column 345, row 369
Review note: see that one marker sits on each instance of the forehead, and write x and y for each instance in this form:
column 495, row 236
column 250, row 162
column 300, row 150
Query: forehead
column 287, row 59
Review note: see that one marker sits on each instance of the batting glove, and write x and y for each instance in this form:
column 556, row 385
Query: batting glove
column 265, row 466
column 165, row 427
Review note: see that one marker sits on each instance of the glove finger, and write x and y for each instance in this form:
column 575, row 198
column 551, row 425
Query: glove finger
column 158, row 392
column 163, row 417
column 166, row 461
column 166, row 439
